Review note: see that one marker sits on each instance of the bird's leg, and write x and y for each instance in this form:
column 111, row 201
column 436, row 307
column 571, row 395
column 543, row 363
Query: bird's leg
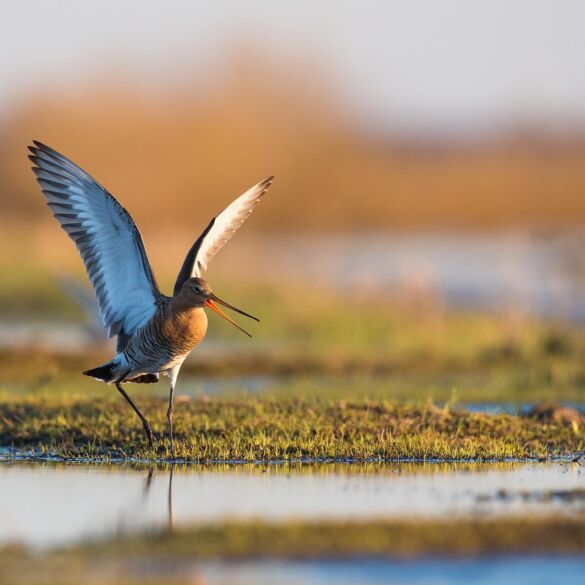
column 170, row 418
column 145, row 423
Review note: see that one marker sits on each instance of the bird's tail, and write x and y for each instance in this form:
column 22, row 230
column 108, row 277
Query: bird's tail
column 118, row 370
column 104, row 373
column 115, row 370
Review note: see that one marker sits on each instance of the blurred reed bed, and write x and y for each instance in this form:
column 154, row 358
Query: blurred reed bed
column 175, row 156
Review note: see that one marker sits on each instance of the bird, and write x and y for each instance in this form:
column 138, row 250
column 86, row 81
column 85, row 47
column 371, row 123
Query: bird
column 154, row 332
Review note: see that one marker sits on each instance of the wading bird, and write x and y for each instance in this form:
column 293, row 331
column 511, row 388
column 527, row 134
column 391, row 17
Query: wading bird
column 155, row 332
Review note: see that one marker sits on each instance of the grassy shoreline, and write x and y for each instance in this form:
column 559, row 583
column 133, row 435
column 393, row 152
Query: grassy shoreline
column 268, row 429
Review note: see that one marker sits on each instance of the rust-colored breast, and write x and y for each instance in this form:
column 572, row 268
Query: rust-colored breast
column 184, row 327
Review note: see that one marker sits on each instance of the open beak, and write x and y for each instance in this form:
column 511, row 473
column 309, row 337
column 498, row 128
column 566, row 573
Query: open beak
column 211, row 304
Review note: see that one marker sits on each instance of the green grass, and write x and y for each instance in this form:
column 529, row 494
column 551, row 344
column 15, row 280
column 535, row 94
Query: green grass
column 27, row 293
column 314, row 322
column 549, row 368
column 326, row 539
column 344, row 377
column 173, row 557
column 324, row 344
column 267, row 429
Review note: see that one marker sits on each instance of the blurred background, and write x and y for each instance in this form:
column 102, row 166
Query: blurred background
column 429, row 161
column 418, row 263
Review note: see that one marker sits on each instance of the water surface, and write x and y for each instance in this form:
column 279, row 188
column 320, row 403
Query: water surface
column 46, row 504
column 486, row 571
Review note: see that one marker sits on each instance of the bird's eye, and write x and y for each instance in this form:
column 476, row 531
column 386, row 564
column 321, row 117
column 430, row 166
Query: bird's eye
column 197, row 289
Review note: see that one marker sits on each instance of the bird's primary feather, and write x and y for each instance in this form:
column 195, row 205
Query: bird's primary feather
column 107, row 239
column 219, row 231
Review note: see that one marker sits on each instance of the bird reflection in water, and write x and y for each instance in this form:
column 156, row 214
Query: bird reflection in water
column 148, row 483
column 170, row 499
column 124, row 524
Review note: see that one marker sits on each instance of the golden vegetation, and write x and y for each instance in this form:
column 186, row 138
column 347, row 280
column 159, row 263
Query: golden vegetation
column 187, row 549
column 175, row 157
column 280, row 429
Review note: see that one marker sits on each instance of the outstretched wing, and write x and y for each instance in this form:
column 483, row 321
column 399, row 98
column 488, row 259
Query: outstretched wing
column 107, row 239
column 219, row 231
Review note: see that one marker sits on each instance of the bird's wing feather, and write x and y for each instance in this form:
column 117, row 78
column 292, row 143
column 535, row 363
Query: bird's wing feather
column 219, row 231
column 107, row 239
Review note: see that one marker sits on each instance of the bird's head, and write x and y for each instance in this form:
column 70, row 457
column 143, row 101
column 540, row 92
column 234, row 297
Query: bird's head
column 199, row 294
column 197, row 290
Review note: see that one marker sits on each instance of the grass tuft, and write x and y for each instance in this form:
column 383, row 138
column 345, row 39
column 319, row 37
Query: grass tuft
column 268, row 429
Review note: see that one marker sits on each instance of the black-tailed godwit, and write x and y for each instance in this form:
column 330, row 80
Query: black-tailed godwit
column 155, row 332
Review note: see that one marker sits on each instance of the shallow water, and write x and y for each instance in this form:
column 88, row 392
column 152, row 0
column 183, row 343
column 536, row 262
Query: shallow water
column 486, row 571
column 45, row 504
column 536, row 274
column 514, row 407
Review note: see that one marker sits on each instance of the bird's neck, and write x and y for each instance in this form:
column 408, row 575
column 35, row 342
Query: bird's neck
column 184, row 303
column 184, row 323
